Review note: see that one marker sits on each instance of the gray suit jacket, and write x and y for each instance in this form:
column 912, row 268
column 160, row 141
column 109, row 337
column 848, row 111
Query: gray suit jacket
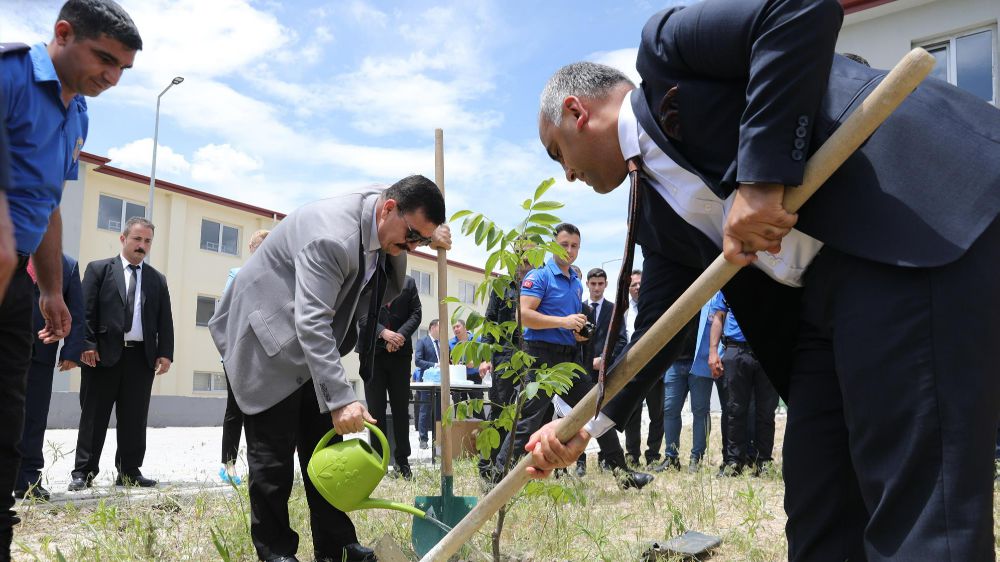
column 291, row 312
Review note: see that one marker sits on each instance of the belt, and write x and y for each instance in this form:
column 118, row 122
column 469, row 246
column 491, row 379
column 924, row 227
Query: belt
column 133, row 343
column 729, row 342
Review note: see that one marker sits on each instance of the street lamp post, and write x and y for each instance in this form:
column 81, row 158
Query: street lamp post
column 156, row 134
column 609, row 261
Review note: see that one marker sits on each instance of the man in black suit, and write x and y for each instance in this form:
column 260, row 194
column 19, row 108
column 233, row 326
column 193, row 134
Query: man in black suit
column 385, row 367
column 129, row 340
column 39, row 391
column 598, row 310
column 860, row 316
column 654, row 397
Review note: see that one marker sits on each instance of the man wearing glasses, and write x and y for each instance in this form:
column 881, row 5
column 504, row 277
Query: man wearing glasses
column 283, row 326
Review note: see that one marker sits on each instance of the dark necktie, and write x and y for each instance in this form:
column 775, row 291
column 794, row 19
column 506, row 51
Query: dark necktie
column 130, row 301
column 624, row 277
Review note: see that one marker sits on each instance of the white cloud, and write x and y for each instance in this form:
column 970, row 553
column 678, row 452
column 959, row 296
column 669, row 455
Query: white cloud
column 218, row 164
column 138, row 157
column 622, row 59
column 365, row 13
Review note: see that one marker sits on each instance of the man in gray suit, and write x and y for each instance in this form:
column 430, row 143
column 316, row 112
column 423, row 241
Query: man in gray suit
column 283, row 327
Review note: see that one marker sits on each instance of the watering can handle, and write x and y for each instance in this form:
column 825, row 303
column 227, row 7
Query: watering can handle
column 376, row 431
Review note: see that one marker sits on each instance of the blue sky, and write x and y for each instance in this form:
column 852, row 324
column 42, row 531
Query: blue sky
column 287, row 102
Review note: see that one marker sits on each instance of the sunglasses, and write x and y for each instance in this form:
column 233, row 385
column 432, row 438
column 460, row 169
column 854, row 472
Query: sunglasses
column 412, row 235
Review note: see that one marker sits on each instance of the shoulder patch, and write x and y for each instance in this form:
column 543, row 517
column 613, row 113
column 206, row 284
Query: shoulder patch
column 528, row 283
column 9, row 48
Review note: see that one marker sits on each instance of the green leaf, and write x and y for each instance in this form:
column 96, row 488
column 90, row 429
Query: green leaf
column 531, row 389
column 526, row 205
column 493, row 237
column 547, row 206
column 538, row 230
column 448, row 300
column 491, row 262
column 460, row 214
column 474, row 223
column 544, row 219
column 543, row 187
column 481, row 232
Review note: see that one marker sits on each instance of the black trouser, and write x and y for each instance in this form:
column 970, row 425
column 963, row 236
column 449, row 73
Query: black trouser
column 633, row 431
column 893, row 407
column 747, row 384
column 502, row 393
column 126, row 386
column 15, row 348
column 272, row 438
column 36, row 415
column 391, row 374
column 536, row 411
column 232, row 427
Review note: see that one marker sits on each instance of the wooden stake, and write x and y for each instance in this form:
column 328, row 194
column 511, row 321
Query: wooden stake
column 884, row 99
column 444, row 352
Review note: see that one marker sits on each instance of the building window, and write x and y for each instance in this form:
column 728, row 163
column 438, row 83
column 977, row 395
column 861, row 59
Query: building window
column 221, row 238
column 113, row 213
column 208, row 382
column 206, row 308
column 466, row 292
column 423, row 281
column 967, row 61
column 419, row 334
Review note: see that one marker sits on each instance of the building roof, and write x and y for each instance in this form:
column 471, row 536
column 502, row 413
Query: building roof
column 102, row 167
column 851, row 6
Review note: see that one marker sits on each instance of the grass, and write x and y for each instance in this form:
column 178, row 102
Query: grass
column 566, row 520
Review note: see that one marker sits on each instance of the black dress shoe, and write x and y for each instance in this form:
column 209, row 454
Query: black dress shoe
column 80, row 482
column 404, row 471
column 136, row 479
column 282, row 559
column 353, row 552
column 34, row 492
column 669, row 462
column 581, row 469
column 628, row 478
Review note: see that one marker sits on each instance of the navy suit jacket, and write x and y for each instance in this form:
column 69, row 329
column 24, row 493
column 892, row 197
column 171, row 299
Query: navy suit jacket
column 45, row 353
column 759, row 89
column 595, row 346
column 424, row 355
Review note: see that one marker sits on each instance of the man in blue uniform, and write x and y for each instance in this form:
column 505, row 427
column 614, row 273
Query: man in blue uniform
column 45, row 120
column 551, row 313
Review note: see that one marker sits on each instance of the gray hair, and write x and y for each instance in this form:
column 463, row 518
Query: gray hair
column 137, row 221
column 581, row 79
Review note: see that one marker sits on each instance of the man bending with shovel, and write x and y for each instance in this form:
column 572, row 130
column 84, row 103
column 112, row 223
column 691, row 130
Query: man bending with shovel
column 871, row 316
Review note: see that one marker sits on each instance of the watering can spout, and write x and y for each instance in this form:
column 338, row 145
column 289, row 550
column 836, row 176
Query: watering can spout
column 375, row 503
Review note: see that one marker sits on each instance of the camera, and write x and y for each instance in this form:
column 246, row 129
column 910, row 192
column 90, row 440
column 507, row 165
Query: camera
column 587, row 331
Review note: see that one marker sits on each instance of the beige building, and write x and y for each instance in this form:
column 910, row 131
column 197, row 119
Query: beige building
column 961, row 34
column 199, row 237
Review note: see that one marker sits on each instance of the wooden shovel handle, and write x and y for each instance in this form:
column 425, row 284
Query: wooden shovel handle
column 884, row 99
column 444, row 354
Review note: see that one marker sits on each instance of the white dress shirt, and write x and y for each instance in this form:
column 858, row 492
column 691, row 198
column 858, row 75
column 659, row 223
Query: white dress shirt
column 135, row 334
column 694, row 202
column 630, row 314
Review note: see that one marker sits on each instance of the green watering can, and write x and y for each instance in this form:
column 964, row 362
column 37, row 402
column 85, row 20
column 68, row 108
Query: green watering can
column 346, row 473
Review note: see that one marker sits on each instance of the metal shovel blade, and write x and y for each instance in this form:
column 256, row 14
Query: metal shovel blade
column 446, row 509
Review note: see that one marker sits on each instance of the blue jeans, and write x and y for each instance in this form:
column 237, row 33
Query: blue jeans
column 677, row 382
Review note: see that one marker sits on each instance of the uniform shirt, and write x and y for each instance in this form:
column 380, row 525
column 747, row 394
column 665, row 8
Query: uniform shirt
column 45, row 138
column 471, row 371
column 694, row 202
column 561, row 295
column 730, row 330
column 135, row 334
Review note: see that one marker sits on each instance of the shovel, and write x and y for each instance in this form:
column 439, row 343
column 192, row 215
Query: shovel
column 447, row 507
column 883, row 100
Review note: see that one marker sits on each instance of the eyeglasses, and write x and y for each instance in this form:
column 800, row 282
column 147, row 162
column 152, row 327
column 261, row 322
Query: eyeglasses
column 413, row 235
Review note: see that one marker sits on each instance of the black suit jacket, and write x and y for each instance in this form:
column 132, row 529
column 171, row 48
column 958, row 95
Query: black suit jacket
column 45, row 353
column 402, row 314
column 918, row 193
column 104, row 300
column 595, row 345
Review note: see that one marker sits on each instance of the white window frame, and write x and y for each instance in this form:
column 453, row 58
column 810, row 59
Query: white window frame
column 950, row 40
column 216, row 382
column 417, row 275
column 123, row 219
column 216, row 246
column 215, row 304
column 467, row 291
